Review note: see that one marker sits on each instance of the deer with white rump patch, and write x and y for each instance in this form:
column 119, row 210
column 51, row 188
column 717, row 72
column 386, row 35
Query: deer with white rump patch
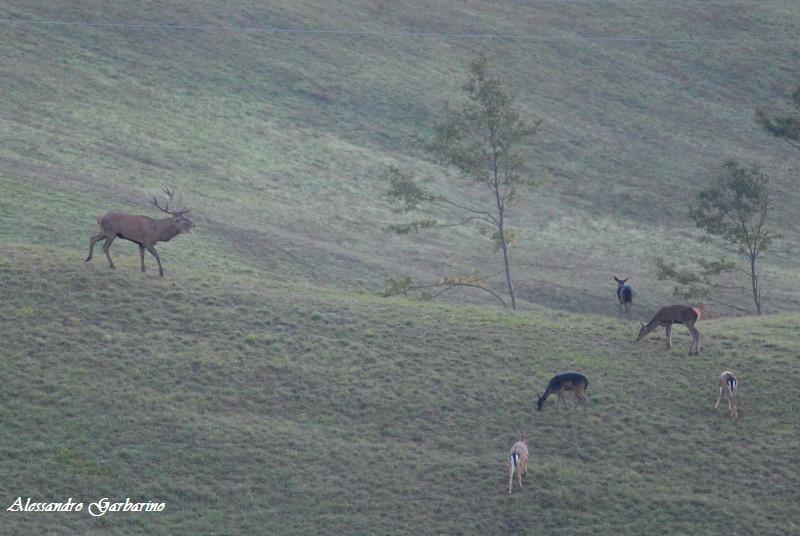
column 566, row 381
column 674, row 314
column 625, row 297
column 727, row 387
column 142, row 230
column 518, row 461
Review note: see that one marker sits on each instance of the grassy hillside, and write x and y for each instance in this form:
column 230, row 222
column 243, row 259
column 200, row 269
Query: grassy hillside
column 252, row 406
column 278, row 140
column 263, row 387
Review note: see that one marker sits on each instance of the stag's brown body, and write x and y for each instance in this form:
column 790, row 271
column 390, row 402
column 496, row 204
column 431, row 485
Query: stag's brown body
column 143, row 230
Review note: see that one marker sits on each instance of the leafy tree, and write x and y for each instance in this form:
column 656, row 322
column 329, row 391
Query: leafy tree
column 735, row 208
column 483, row 139
column 785, row 127
column 701, row 283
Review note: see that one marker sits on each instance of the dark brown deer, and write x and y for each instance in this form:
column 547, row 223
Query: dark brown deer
column 674, row 314
column 625, row 297
column 566, row 381
column 143, row 230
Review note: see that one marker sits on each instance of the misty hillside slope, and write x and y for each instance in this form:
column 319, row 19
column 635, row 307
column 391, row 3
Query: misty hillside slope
column 252, row 406
column 278, row 139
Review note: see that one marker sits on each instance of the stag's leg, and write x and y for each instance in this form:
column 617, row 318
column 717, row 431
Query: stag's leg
column 510, row 475
column 92, row 241
column 141, row 255
column 106, row 247
column 154, row 253
column 668, row 329
column 718, row 398
column 630, row 311
column 619, row 315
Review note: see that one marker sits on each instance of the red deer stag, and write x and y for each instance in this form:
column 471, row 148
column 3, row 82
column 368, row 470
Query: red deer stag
column 518, row 461
column 143, row 230
column 727, row 387
column 566, row 381
column 674, row 314
column 625, row 297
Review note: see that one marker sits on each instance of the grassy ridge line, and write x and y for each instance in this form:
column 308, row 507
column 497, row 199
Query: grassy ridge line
column 252, row 405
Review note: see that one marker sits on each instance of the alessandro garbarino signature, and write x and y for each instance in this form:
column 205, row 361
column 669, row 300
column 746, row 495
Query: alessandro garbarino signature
column 96, row 509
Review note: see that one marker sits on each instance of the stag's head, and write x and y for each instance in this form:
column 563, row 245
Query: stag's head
column 173, row 207
column 184, row 224
column 539, row 402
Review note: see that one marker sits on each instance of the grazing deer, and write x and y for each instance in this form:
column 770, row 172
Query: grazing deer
column 625, row 297
column 566, row 381
column 142, row 230
column 727, row 386
column 518, row 461
column 674, row 314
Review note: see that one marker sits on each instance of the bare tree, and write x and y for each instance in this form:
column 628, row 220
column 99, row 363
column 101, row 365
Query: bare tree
column 735, row 207
column 483, row 139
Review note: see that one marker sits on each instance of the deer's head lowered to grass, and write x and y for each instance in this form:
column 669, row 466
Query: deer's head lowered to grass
column 143, row 230
column 566, row 381
column 674, row 314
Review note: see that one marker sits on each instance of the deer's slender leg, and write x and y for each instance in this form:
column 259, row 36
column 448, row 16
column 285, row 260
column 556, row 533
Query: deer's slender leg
column 619, row 315
column 510, row 475
column 141, row 255
column 92, row 241
column 107, row 246
column 695, row 347
column 668, row 329
column 718, row 398
column 154, row 253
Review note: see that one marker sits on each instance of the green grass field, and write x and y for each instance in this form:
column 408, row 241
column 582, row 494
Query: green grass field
column 251, row 406
column 263, row 386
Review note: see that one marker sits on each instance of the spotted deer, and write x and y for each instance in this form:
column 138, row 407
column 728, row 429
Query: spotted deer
column 566, row 381
column 517, row 461
column 142, row 230
column 674, row 314
column 727, row 387
column 624, row 297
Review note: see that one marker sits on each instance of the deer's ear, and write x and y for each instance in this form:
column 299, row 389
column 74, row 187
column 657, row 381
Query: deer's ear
column 641, row 324
column 615, row 279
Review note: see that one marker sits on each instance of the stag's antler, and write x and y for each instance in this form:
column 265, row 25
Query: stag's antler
column 170, row 200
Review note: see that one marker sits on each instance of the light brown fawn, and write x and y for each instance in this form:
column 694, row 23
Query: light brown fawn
column 142, row 230
column 517, row 461
column 674, row 314
column 727, row 387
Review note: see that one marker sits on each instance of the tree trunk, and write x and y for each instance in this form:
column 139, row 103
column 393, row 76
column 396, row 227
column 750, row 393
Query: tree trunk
column 754, row 282
column 507, row 262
